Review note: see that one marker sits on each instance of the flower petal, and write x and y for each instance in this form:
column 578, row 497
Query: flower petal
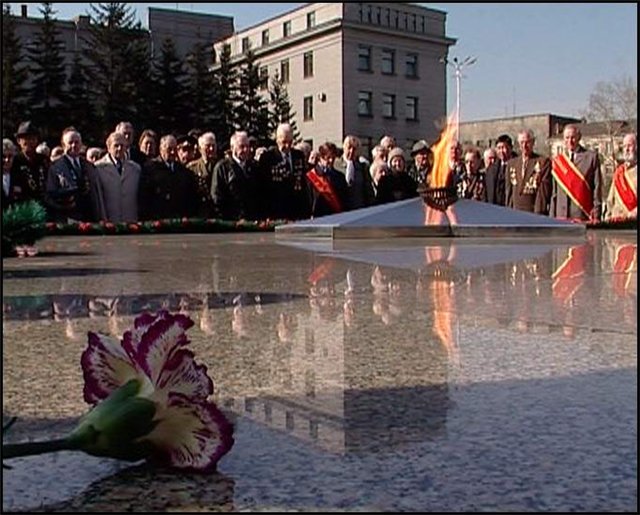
column 181, row 374
column 191, row 436
column 105, row 367
column 131, row 339
column 158, row 343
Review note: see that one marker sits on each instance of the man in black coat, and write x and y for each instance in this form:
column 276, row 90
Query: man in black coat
column 495, row 177
column 283, row 176
column 235, row 188
column 167, row 189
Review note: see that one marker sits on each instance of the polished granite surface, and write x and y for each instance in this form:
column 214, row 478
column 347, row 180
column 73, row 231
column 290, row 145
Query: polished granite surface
column 406, row 375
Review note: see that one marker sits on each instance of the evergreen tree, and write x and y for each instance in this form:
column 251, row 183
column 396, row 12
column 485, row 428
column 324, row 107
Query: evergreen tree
column 47, row 95
column 202, row 92
column 80, row 112
column 252, row 108
column 115, row 48
column 280, row 111
column 14, row 76
column 225, row 80
column 170, row 92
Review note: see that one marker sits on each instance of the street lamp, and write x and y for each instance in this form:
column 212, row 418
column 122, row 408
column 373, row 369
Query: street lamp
column 457, row 66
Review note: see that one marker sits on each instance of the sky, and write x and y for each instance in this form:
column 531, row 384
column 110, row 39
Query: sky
column 531, row 57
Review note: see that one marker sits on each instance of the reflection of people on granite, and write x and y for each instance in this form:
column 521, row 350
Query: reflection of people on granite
column 568, row 284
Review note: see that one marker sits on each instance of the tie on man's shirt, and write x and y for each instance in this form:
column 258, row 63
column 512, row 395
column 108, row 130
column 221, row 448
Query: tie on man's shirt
column 119, row 167
column 572, row 156
column 351, row 172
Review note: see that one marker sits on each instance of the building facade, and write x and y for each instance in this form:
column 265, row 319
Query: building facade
column 185, row 28
column 367, row 69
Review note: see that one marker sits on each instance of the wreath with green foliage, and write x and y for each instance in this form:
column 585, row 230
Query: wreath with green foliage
column 22, row 224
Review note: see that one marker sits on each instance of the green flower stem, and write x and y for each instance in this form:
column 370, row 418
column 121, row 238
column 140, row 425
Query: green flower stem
column 18, row 450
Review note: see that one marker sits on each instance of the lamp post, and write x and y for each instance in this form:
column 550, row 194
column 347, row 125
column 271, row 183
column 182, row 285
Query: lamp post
column 457, row 66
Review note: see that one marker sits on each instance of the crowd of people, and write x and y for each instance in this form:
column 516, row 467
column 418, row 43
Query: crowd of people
column 152, row 177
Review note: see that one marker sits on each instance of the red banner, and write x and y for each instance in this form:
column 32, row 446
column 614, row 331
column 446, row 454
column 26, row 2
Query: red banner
column 323, row 186
column 572, row 183
column 624, row 189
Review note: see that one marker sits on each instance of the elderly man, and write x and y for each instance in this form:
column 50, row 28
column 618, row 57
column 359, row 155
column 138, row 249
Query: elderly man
column 622, row 201
column 69, row 189
column 202, row 170
column 528, row 185
column 473, row 186
column 235, row 190
column 577, row 180
column 422, row 156
column 359, row 184
column 167, row 189
column 132, row 151
column 29, row 163
column 283, row 173
column 117, row 181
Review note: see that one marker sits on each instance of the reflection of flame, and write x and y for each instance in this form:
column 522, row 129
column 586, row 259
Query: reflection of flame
column 439, row 176
column 442, row 315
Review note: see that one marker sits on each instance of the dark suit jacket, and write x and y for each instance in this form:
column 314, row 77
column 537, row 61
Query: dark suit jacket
column 69, row 193
column 495, row 180
column 166, row 194
column 531, row 191
column 19, row 189
column 286, row 191
column 361, row 192
column 236, row 192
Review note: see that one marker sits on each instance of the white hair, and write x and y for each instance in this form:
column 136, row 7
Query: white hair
column 236, row 136
column 202, row 140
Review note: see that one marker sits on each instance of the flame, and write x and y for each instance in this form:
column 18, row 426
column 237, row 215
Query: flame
column 443, row 308
column 440, row 173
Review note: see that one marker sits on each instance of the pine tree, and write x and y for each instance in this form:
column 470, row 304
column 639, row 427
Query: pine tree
column 280, row 111
column 114, row 49
column 47, row 93
column 80, row 112
column 252, row 108
column 14, row 76
column 202, row 92
column 169, row 93
column 225, row 80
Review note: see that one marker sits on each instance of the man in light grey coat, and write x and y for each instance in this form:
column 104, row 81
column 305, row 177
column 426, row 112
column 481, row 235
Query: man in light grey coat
column 117, row 180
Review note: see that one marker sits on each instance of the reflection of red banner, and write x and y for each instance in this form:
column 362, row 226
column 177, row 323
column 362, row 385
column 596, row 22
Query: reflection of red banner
column 323, row 186
column 569, row 276
column 624, row 190
column 573, row 183
column 321, row 271
column 625, row 259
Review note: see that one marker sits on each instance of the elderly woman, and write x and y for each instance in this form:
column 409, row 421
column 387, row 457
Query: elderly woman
column 397, row 184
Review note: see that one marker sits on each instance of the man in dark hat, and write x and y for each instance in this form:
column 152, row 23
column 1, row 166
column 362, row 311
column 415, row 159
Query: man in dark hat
column 186, row 149
column 29, row 163
column 422, row 161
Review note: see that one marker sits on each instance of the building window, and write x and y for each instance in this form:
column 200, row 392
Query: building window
column 412, row 66
column 311, row 19
column 286, row 29
column 396, row 17
column 284, row 71
column 379, row 15
column 422, row 24
column 264, row 77
column 368, row 7
column 308, row 65
column 412, row 108
column 265, row 37
column 364, row 58
column 388, row 61
column 245, row 45
column 414, row 23
column 388, row 105
column 387, row 16
column 308, row 109
column 365, row 101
